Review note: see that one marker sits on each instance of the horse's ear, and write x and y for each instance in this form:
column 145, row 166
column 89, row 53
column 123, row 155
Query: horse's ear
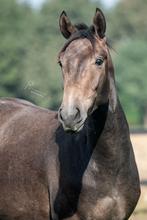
column 66, row 27
column 99, row 23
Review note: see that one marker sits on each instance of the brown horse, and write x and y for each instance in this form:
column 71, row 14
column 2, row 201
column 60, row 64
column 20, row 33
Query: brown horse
column 82, row 168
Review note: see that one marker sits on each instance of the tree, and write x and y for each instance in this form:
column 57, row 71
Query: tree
column 30, row 41
column 127, row 27
column 128, row 20
column 14, row 29
column 131, row 77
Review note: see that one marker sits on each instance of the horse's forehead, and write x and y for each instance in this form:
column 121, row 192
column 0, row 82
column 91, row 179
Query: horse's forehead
column 79, row 47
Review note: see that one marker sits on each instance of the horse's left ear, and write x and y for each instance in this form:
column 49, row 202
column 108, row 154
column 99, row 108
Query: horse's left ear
column 99, row 23
column 66, row 27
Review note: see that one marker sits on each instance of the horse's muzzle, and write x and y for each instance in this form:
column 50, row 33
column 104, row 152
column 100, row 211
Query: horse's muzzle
column 71, row 121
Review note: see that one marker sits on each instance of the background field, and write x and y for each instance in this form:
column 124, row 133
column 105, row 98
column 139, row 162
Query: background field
column 140, row 148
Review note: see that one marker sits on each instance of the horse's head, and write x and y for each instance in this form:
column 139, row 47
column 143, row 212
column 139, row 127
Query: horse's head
column 87, row 71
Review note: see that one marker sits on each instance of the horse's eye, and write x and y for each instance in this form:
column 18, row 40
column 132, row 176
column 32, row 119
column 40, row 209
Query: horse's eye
column 99, row 61
column 60, row 64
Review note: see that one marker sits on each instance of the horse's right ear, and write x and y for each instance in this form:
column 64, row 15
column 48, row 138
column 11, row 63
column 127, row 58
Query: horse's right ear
column 66, row 27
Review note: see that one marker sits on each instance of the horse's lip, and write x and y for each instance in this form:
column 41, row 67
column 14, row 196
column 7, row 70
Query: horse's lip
column 78, row 122
column 75, row 129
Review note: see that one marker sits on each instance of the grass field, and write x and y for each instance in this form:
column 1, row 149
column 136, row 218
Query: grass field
column 139, row 142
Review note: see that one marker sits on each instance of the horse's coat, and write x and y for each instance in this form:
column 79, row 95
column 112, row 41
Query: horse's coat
column 49, row 174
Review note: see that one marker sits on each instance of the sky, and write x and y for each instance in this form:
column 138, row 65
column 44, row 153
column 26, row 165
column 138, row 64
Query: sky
column 37, row 3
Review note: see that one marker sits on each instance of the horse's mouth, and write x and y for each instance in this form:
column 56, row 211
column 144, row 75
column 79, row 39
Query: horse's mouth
column 75, row 129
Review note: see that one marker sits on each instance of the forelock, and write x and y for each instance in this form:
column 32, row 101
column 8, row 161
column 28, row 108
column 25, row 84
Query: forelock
column 83, row 32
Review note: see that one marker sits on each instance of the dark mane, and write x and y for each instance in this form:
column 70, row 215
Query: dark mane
column 81, row 26
column 83, row 32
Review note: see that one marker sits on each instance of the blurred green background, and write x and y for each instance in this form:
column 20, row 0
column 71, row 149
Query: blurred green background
column 30, row 41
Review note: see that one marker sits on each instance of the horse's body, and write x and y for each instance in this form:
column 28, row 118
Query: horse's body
column 45, row 172
column 48, row 174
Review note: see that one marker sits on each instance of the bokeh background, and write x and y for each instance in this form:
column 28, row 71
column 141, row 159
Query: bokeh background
column 30, row 41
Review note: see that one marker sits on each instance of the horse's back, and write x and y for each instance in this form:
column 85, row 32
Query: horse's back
column 26, row 132
column 24, row 124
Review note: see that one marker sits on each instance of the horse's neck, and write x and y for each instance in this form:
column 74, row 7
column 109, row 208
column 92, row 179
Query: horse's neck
column 102, row 136
column 96, row 124
column 109, row 132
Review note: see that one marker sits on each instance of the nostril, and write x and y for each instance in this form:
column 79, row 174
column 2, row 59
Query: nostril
column 60, row 114
column 74, row 116
column 77, row 115
column 79, row 121
column 78, row 110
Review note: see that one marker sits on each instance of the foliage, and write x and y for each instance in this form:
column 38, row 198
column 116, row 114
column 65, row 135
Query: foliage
column 30, row 41
column 127, row 27
column 128, row 20
column 13, row 38
column 131, row 78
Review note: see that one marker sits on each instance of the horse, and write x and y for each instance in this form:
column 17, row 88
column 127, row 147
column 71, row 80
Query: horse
column 77, row 163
